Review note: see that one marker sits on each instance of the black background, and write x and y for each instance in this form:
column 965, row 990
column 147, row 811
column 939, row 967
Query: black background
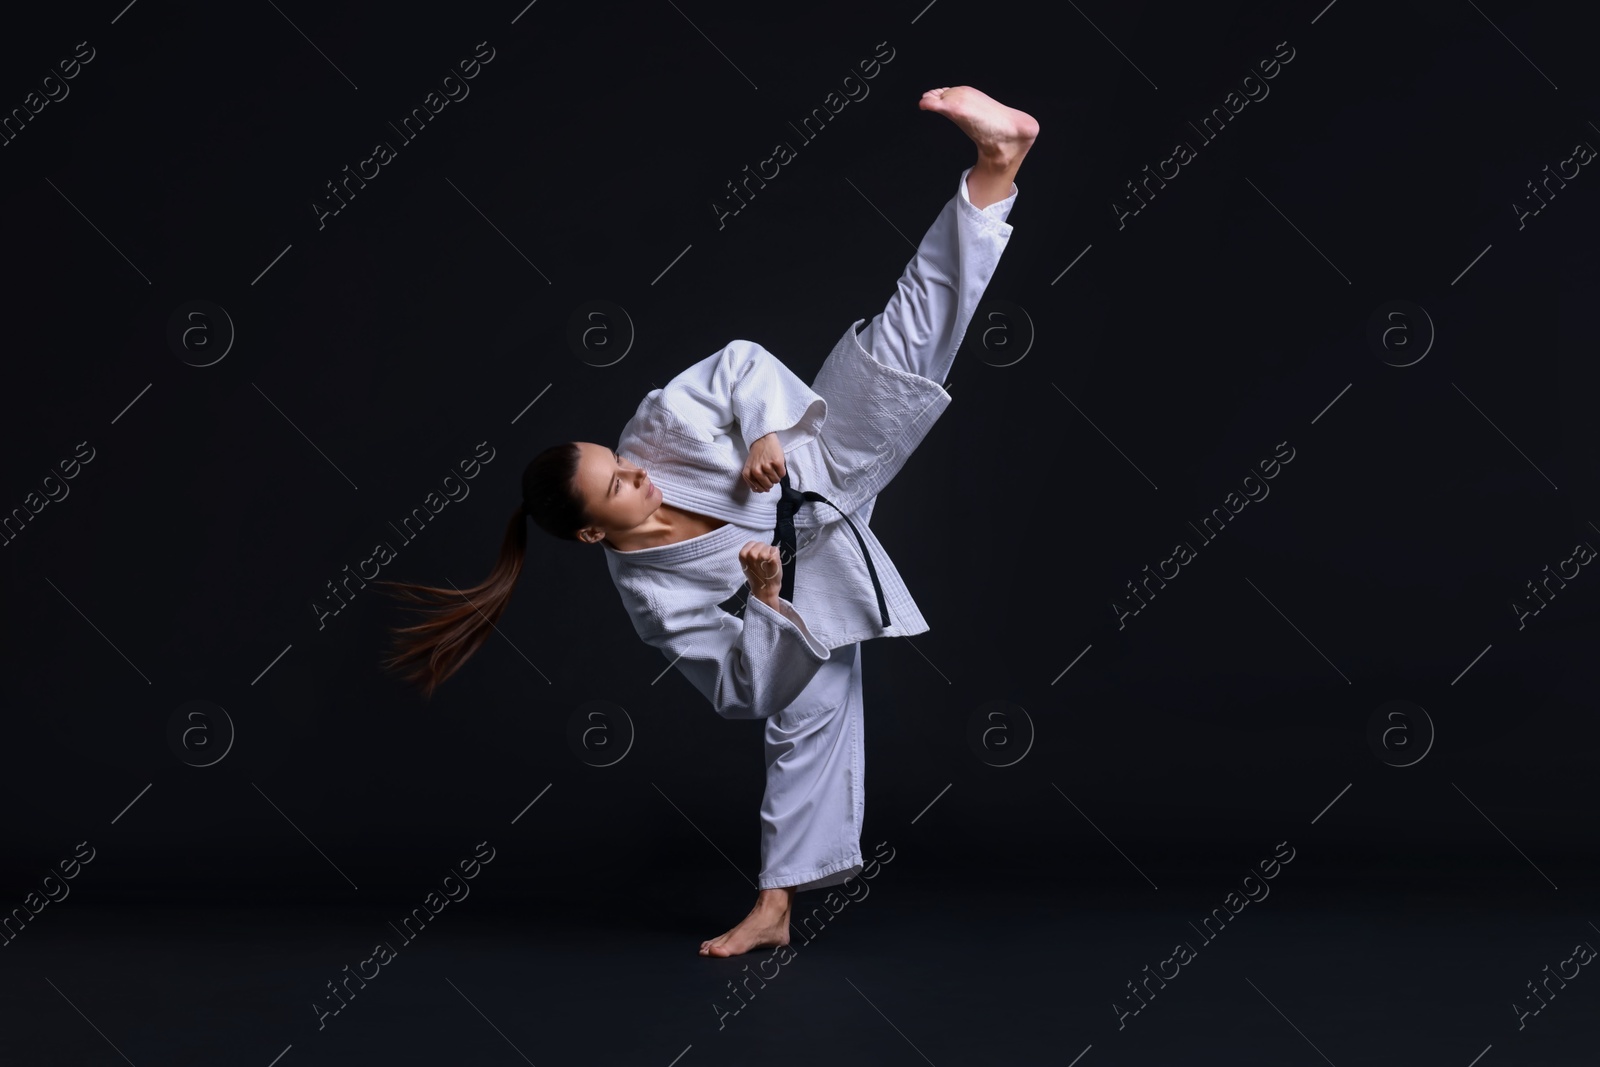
column 1218, row 322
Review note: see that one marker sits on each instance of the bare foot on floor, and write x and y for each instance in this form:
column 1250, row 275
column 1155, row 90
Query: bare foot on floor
column 1001, row 133
column 766, row 925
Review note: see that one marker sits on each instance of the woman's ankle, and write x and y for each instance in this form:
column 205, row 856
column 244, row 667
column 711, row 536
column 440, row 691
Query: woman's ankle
column 775, row 897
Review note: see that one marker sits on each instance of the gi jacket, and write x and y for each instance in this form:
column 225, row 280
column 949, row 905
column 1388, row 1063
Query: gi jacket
column 845, row 437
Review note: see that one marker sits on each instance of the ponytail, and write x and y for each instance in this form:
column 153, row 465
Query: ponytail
column 458, row 621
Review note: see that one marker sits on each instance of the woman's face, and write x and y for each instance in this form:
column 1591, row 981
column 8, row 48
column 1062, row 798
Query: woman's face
column 617, row 495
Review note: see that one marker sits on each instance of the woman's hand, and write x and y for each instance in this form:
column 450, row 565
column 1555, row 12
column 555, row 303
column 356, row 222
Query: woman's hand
column 763, row 569
column 765, row 467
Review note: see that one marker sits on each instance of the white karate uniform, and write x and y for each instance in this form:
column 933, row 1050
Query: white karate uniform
column 844, row 436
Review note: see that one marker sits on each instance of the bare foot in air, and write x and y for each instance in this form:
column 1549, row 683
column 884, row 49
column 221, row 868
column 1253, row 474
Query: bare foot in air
column 766, row 925
column 1002, row 134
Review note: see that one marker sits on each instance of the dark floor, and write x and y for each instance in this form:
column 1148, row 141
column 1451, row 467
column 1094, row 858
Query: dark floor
column 974, row 968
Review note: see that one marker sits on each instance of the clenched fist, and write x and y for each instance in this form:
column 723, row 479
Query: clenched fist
column 763, row 569
column 765, row 466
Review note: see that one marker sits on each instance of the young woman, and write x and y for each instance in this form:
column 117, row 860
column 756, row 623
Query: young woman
column 705, row 467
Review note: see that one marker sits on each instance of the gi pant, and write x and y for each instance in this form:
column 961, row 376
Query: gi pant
column 811, row 813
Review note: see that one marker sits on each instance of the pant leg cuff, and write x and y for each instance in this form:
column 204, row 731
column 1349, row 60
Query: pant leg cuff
column 992, row 219
column 817, row 878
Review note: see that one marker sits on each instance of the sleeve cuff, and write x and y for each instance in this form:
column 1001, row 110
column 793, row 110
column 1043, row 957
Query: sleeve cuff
column 803, row 429
column 797, row 423
column 787, row 615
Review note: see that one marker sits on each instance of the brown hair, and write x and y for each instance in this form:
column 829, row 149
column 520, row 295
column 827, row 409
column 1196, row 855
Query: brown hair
column 457, row 621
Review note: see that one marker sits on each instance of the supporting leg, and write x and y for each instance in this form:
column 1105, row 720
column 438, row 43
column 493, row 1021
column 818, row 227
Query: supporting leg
column 811, row 813
column 812, row 810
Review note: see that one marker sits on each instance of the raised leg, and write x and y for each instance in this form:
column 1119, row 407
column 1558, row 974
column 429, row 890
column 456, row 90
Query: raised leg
column 922, row 326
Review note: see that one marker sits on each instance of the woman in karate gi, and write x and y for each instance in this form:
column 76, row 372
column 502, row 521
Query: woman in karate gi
column 685, row 503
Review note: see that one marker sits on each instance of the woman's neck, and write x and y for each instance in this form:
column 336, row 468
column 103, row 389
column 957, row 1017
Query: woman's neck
column 666, row 525
column 659, row 528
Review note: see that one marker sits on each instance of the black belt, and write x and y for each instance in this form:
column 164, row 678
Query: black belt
column 790, row 503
